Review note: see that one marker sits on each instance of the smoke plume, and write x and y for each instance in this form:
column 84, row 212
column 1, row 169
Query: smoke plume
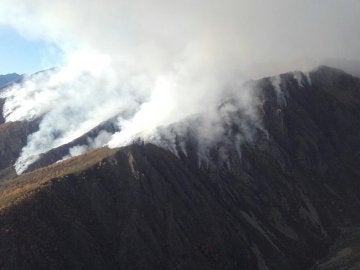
column 153, row 63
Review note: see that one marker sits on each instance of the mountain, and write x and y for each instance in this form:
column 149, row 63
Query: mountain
column 4, row 81
column 8, row 78
column 287, row 198
column 349, row 66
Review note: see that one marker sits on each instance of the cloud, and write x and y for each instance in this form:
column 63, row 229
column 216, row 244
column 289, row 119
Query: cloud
column 158, row 31
column 152, row 63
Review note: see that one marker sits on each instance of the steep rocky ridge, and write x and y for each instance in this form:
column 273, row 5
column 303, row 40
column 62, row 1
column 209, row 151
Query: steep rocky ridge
column 139, row 209
column 278, row 202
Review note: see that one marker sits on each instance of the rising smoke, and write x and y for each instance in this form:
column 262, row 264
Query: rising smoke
column 153, row 63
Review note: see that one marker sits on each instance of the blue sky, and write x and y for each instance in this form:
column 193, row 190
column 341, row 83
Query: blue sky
column 20, row 55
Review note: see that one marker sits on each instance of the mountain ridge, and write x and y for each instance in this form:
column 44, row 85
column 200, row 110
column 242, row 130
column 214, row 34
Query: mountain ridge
column 279, row 203
column 8, row 78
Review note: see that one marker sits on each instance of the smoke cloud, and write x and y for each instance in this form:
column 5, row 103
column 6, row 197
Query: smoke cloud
column 153, row 63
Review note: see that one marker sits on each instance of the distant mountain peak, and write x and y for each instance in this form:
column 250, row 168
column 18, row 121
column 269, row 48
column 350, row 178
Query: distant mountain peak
column 8, row 78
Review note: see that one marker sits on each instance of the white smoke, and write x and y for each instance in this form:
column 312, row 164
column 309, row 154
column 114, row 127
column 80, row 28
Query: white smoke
column 70, row 101
column 93, row 143
column 151, row 63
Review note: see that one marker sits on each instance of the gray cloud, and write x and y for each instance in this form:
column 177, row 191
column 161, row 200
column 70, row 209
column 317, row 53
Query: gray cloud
column 158, row 32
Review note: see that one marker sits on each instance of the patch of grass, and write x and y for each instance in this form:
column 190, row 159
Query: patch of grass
column 15, row 188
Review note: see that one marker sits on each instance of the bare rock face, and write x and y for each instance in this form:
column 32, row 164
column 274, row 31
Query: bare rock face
column 278, row 202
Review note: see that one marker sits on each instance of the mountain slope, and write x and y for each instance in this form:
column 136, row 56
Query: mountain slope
column 5, row 79
column 277, row 201
column 139, row 209
column 13, row 137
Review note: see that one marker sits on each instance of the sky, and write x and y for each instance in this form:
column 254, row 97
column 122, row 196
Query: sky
column 151, row 63
column 22, row 55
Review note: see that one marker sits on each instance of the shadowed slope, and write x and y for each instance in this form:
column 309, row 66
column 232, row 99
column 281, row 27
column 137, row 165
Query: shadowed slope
column 278, row 205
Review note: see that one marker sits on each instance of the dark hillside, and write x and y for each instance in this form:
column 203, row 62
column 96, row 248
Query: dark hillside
column 279, row 204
